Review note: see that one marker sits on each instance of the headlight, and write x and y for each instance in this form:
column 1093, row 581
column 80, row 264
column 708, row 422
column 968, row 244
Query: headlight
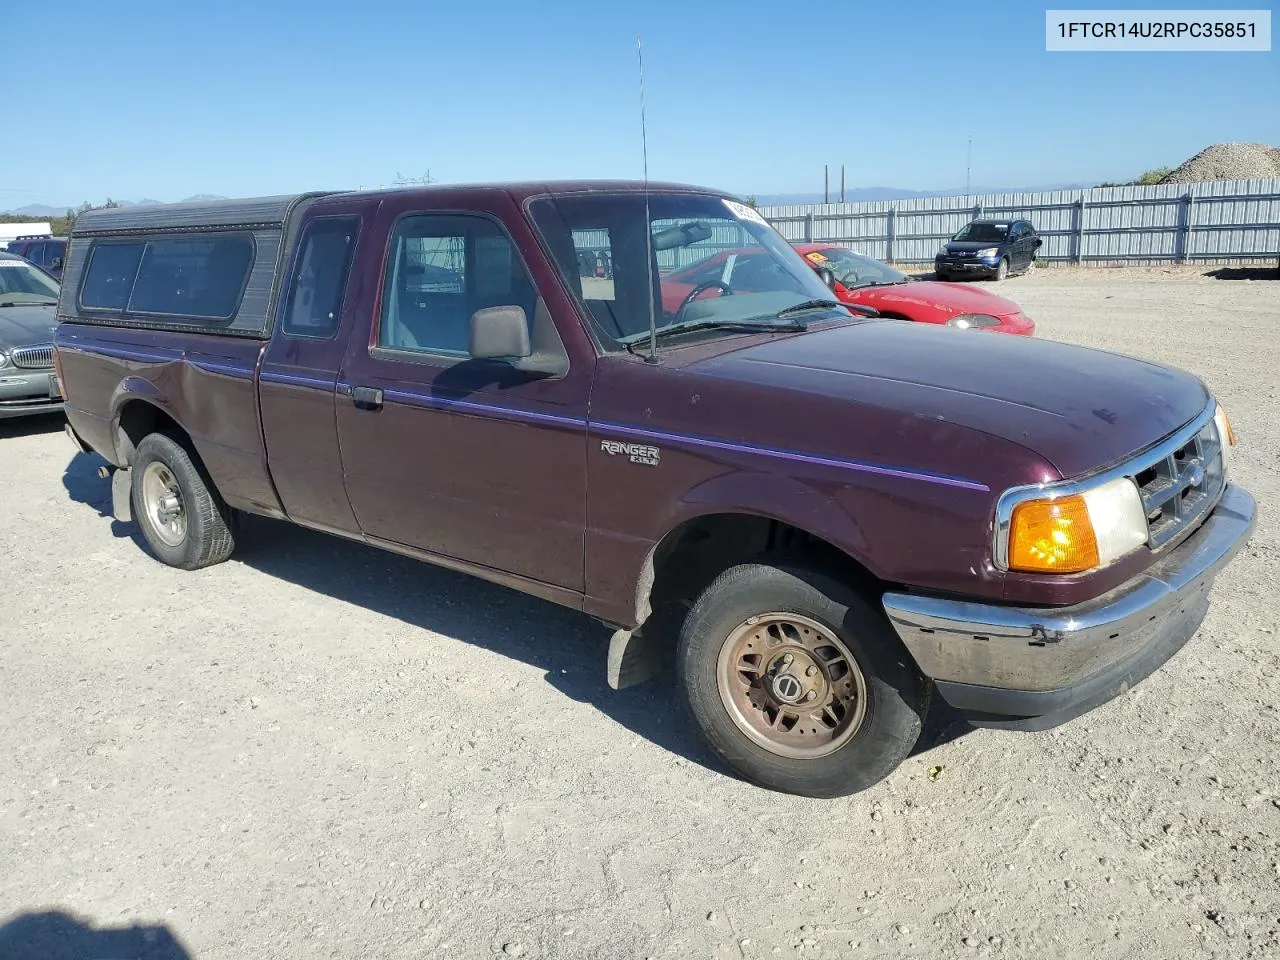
column 1071, row 534
column 4, row 359
column 988, row 251
column 1226, row 436
column 942, row 252
column 966, row 321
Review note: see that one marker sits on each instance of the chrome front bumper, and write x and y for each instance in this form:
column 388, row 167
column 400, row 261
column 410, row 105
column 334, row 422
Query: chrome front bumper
column 25, row 392
column 1036, row 667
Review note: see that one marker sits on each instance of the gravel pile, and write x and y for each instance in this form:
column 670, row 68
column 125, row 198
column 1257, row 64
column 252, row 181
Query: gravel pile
column 1229, row 161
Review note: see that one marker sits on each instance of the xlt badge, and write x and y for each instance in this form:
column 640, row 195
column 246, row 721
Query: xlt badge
column 635, row 452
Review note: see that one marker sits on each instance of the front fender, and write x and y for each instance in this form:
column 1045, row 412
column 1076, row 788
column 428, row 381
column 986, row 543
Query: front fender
column 775, row 497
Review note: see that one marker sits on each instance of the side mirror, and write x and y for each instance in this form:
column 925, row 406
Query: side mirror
column 499, row 332
column 827, row 277
column 55, row 263
column 1039, row 242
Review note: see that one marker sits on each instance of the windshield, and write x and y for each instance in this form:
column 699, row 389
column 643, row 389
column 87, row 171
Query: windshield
column 853, row 270
column 22, row 283
column 714, row 261
column 982, row 232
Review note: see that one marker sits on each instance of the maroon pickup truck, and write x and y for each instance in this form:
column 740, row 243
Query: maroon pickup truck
column 825, row 519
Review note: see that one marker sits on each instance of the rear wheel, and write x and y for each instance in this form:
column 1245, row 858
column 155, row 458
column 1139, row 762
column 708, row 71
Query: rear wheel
column 183, row 520
column 1002, row 270
column 798, row 682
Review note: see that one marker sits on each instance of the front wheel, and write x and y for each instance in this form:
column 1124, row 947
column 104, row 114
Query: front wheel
column 1002, row 270
column 798, row 682
column 182, row 518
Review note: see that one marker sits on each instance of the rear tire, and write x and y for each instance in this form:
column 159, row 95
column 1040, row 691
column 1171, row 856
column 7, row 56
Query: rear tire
column 1002, row 271
column 939, row 275
column 181, row 516
column 798, row 682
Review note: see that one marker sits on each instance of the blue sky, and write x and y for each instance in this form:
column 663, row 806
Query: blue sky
column 136, row 98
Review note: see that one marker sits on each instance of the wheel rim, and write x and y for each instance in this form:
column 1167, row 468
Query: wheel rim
column 162, row 500
column 791, row 685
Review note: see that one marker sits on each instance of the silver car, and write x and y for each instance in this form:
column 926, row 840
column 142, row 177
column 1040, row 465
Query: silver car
column 28, row 312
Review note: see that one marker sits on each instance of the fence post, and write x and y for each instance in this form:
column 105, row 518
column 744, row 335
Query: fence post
column 808, row 228
column 892, row 222
column 1078, row 254
column 1184, row 228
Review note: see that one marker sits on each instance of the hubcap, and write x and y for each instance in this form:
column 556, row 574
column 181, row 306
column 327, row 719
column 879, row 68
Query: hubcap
column 791, row 685
column 162, row 500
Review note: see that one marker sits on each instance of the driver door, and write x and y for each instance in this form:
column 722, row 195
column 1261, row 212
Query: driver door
column 466, row 459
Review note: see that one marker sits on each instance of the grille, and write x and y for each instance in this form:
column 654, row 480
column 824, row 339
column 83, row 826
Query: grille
column 1178, row 490
column 39, row 357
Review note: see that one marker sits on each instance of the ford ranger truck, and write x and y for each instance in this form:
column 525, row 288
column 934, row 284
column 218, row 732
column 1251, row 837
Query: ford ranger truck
column 827, row 519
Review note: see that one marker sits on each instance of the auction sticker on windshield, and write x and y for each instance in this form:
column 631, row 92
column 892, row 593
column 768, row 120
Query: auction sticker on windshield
column 743, row 212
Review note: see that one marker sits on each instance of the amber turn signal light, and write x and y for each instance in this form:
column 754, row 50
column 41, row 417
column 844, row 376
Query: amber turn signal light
column 1226, row 421
column 1052, row 536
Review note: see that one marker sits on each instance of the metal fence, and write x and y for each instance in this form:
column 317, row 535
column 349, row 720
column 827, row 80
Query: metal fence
column 1220, row 220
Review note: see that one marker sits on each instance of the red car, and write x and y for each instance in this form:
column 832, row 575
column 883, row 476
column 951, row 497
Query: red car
column 861, row 280
column 854, row 279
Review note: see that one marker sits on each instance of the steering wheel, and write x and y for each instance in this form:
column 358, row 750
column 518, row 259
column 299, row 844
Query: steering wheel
column 727, row 291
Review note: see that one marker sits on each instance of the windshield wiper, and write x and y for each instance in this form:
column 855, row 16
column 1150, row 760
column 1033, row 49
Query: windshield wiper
column 806, row 306
column 10, row 302
column 738, row 326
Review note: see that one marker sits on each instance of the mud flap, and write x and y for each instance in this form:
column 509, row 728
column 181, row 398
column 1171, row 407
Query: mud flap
column 633, row 659
column 121, row 481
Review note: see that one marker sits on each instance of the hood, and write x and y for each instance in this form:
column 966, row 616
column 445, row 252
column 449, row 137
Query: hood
column 1080, row 409
column 954, row 298
column 22, row 326
column 969, row 246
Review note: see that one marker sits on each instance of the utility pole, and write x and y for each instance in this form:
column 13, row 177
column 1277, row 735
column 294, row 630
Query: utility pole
column 826, row 184
column 842, row 183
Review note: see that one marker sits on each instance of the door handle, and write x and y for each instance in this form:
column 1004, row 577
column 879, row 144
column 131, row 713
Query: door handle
column 367, row 398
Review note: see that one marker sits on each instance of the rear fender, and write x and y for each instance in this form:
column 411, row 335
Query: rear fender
column 128, row 390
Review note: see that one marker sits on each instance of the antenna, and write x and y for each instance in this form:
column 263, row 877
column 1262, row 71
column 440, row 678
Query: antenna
column 648, row 227
column 968, row 165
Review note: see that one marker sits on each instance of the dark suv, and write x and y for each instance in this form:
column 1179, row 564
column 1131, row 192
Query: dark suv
column 47, row 253
column 989, row 248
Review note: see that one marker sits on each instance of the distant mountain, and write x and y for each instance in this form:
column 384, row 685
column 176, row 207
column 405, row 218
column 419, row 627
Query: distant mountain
column 866, row 194
column 37, row 210
column 45, row 210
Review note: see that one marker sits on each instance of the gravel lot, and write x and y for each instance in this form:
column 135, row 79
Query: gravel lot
column 320, row 750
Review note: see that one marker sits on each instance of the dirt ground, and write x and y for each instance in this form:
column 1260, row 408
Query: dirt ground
column 320, row 750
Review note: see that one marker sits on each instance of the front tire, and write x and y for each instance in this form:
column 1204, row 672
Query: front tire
column 798, row 682
column 182, row 518
column 1002, row 270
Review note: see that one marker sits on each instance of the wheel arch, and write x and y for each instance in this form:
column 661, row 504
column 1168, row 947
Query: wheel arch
column 740, row 516
column 138, row 408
